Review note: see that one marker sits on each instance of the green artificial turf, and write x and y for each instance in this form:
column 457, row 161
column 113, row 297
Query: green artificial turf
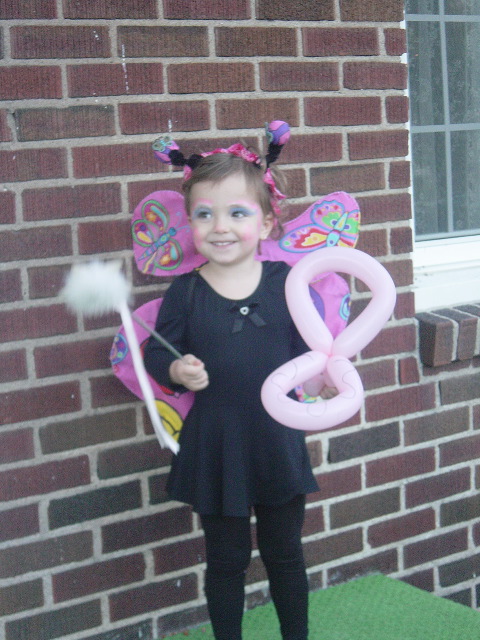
column 371, row 608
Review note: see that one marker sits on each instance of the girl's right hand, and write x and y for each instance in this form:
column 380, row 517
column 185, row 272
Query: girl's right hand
column 190, row 372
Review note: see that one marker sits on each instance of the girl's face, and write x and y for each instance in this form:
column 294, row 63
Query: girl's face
column 227, row 221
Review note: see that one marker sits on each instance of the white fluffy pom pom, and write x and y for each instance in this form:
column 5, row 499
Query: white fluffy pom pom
column 96, row 288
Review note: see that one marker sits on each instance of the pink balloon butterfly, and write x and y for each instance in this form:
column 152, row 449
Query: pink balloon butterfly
column 329, row 355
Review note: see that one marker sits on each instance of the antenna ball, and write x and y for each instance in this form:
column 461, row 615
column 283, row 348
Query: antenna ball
column 278, row 132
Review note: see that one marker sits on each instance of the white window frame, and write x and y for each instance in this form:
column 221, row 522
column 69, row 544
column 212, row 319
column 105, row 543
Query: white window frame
column 447, row 270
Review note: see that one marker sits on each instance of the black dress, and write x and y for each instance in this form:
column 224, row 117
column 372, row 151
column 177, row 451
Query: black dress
column 232, row 453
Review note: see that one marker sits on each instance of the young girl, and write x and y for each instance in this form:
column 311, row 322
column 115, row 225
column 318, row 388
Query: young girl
column 231, row 320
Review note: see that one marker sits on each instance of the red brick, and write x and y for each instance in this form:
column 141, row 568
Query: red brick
column 401, row 271
column 21, row 597
column 460, row 388
column 385, row 563
column 158, row 117
column 395, row 41
column 314, row 147
column 44, row 478
column 467, row 332
column 255, row 41
column 108, row 392
column 19, row 522
column 211, row 77
column 179, row 555
column 32, row 164
column 374, row 75
column 14, row 366
column 97, row 503
column 408, row 372
column 139, row 190
column 40, row 402
column 314, row 520
column 30, row 82
column 59, row 622
column 400, row 402
column 5, row 131
column 405, row 305
column 16, row 445
column 397, row 109
column 436, row 339
column 364, row 508
column 46, row 282
column 391, row 341
column 98, row 577
column 350, row 178
column 401, row 528
column 377, row 374
column 98, row 9
column 131, row 458
column 399, row 175
column 87, row 431
column 7, row 207
column 333, row 547
column 401, row 240
column 115, row 79
column 108, row 160
column 103, row 237
column 71, row 202
column 381, row 209
column 162, row 42
column 374, row 242
column 30, row 10
column 377, row 144
column 146, row 529
column 327, row 41
column 296, row 183
column 437, row 487
column 342, row 111
column 10, row 285
column 365, row 10
column 299, row 76
column 205, row 10
column 461, row 450
column 339, row 483
column 405, row 465
column 250, row 113
column 35, row 243
column 72, row 122
column 60, row 42
column 65, row 358
column 440, row 424
column 35, row 322
column 296, row 10
column 153, row 596
column 426, row 551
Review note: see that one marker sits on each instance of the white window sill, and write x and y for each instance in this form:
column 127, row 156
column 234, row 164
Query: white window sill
column 446, row 273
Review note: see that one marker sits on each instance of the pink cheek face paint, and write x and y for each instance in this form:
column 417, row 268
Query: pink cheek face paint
column 197, row 237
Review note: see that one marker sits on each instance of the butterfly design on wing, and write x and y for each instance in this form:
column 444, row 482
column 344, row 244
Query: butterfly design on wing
column 332, row 226
column 153, row 231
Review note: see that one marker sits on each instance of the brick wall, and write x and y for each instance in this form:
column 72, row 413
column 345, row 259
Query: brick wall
column 89, row 547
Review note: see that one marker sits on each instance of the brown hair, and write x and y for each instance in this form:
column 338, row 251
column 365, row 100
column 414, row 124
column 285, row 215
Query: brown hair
column 218, row 166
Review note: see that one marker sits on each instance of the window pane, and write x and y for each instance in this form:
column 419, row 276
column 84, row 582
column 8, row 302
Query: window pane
column 465, row 178
column 429, row 183
column 421, row 6
column 463, row 46
column 462, row 7
column 425, row 73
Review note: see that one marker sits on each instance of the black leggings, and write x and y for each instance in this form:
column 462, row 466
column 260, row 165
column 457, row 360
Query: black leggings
column 229, row 546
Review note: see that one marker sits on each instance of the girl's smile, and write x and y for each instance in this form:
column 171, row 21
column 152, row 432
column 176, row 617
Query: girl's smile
column 227, row 223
